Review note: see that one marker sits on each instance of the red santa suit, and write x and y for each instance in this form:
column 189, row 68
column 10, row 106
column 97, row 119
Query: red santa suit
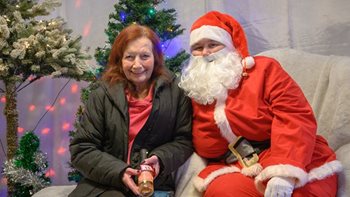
column 267, row 105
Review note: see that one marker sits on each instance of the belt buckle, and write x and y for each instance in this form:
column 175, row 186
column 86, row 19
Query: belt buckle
column 244, row 161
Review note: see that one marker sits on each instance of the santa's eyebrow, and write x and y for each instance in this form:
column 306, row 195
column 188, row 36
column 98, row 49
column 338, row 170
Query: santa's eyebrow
column 195, row 45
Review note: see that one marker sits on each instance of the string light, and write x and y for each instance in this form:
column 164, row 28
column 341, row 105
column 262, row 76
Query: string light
column 26, row 44
column 74, row 88
column 62, row 101
column 122, row 16
column 50, row 108
column 77, row 3
column 87, row 28
column 61, row 150
column 50, row 173
column 20, row 129
column 45, row 131
column 31, row 107
column 65, row 126
column 151, row 11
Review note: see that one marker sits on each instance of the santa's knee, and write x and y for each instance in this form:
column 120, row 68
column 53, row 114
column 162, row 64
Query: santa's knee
column 229, row 184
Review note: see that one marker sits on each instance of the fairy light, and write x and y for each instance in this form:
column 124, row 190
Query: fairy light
column 77, row 3
column 122, row 16
column 61, row 150
column 74, row 88
column 65, row 126
column 50, row 173
column 20, row 129
column 62, row 101
column 26, row 45
column 50, row 108
column 31, row 107
column 87, row 28
column 151, row 11
column 45, row 131
column 3, row 99
column 3, row 181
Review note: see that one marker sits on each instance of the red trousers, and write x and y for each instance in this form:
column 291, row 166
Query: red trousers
column 239, row 185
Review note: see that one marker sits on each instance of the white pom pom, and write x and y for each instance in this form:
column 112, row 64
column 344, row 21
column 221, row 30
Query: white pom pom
column 248, row 62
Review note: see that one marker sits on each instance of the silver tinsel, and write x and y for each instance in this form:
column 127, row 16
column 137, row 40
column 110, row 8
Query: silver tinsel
column 26, row 177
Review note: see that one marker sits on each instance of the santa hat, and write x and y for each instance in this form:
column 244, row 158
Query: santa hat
column 224, row 29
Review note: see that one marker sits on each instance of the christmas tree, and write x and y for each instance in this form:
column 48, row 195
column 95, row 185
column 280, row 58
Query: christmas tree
column 144, row 12
column 27, row 169
column 31, row 49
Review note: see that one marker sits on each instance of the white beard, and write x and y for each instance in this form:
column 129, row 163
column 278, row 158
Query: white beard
column 208, row 78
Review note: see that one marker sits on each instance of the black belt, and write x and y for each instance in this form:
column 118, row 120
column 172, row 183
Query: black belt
column 248, row 148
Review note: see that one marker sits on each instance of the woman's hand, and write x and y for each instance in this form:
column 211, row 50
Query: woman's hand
column 153, row 161
column 129, row 181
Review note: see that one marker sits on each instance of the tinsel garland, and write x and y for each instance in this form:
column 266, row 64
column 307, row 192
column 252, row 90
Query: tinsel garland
column 27, row 169
column 25, row 177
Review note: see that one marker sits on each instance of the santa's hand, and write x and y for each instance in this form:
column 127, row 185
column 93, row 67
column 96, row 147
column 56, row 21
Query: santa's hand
column 129, row 181
column 153, row 161
column 280, row 186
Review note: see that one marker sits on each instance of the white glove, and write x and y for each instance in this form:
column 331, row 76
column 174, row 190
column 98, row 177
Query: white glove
column 280, row 187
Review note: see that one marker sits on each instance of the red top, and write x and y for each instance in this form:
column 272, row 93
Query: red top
column 139, row 110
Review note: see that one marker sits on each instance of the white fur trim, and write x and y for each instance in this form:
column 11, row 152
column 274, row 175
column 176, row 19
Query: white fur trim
column 212, row 32
column 248, row 62
column 202, row 184
column 253, row 170
column 325, row 170
column 282, row 171
column 221, row 119
column 199, row 184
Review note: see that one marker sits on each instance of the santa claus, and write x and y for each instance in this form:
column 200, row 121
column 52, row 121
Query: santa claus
column 251, row 120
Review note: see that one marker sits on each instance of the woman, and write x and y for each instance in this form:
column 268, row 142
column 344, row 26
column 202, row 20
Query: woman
column 137, row 105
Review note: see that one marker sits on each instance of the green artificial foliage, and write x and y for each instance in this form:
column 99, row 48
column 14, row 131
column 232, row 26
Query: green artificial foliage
column 26, row 171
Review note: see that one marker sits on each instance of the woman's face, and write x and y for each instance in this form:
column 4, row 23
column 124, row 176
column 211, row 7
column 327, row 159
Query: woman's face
column 138, row 62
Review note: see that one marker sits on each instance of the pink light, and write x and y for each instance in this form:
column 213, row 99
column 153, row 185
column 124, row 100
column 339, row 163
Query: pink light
column 50, row 173
column 20, row 129
column 3, row 99
column 65, row 126
column 63, row 101
column 31, row 107
column 61, row 150
column 50, row 108
column 87, row 28
column 45, row 131
column 77, row 3
column 3, row 181
column 74, row 88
